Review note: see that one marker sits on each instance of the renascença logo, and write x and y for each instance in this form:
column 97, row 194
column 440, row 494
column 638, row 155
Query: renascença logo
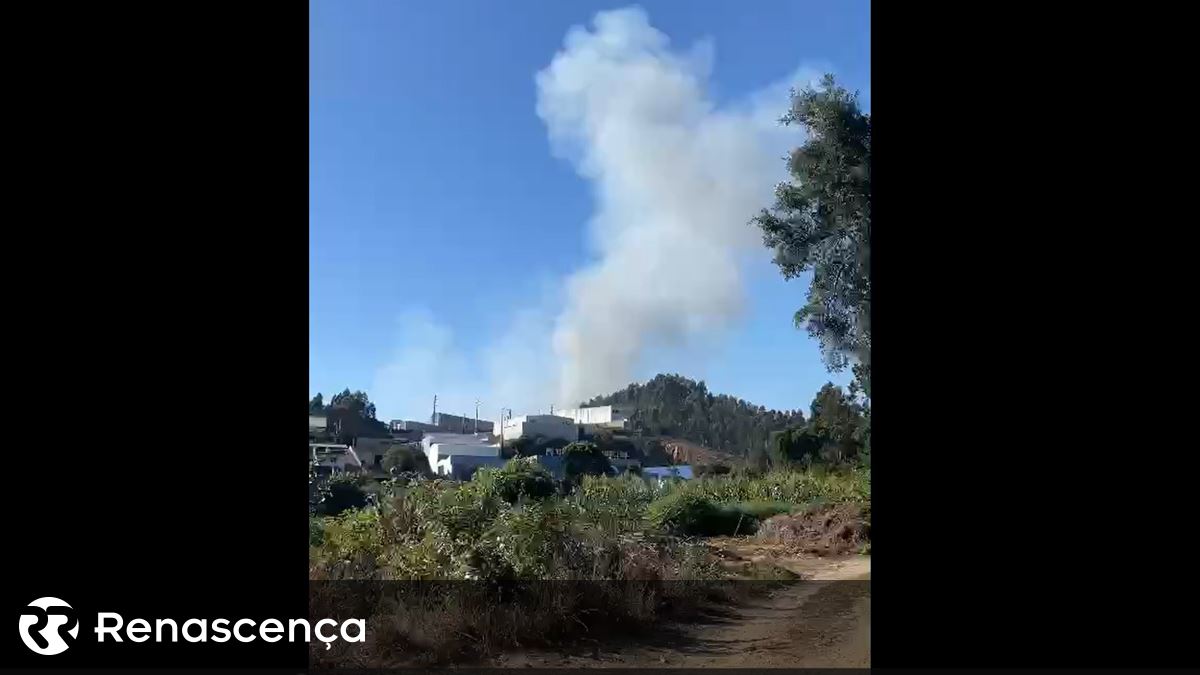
column 47, row 622
column 45, row 625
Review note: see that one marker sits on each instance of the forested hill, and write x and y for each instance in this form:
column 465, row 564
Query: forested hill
column 673, row 405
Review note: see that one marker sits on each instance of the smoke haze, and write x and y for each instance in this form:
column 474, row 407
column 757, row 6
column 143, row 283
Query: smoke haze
column 675, row 178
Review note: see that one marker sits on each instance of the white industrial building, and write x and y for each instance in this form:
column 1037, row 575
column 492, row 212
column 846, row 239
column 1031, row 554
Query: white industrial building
column 605, row 416
column 532, row 426
column 439, row 447
column 445, row 438
column 463, row 467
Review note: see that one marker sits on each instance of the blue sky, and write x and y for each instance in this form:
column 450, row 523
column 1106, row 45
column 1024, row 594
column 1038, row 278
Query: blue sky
column 439, row 208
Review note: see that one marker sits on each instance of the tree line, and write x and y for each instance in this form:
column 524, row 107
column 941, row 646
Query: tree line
column 348, row 415
column 674, row 405
column 837, row 429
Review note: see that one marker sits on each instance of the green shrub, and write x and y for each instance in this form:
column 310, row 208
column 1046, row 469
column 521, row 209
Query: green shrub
column 342, row 492
column 526, row 542
column 683, row 513
column 508, row 524
column 518, row 478
column 401, row 459
column 761, row 510
column 614, row 504
column 796, row 487
column 731, row 520
column 585, row 459
column 466, row 510
column 352, row 537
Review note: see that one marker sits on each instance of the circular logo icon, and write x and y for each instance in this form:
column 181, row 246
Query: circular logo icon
column 49, row 626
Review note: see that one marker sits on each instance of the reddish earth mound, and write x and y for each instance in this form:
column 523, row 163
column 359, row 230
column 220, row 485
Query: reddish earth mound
column 686, row 452
column 820, row 530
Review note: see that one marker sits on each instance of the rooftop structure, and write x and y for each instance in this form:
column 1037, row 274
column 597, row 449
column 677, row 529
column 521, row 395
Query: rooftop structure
column 605, row 416
column 666, row 472
column 547, row 426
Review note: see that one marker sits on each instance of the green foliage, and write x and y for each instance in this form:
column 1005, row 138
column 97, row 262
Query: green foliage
column 539, row 445
column 583, row 458
column 505, row 525
column 356, row 402
column 352, row 536
column 761, row 510
column 465, row 511
column 341, row 492
column 821, row 222
column 795, row 446
column 840, row 424
column 349, row 415
column 689, row 513
column 838, row 431
column 673, row 405
column 518, row 478
column 615, row 504
column 794, row 487
column 401, row 459
column 529, row 542
column 316, row 532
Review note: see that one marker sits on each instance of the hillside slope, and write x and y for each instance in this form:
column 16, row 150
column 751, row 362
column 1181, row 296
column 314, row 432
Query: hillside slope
column 676, row 407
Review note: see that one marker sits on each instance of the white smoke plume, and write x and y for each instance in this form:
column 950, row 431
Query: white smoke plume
column 676, row 180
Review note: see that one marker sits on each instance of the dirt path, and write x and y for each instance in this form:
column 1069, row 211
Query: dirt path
column 822, row 621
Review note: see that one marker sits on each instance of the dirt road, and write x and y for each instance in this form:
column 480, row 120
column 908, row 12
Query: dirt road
column 822, row 621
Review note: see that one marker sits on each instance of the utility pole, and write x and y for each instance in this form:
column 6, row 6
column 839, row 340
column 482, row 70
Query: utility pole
column 476, row 415
column 433, row 417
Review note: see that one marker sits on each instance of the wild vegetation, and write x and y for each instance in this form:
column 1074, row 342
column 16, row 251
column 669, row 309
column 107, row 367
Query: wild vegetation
column 613, row 553
column 506, row 523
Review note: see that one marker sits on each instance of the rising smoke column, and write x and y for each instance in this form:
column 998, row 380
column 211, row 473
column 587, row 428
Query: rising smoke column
column 675, row 179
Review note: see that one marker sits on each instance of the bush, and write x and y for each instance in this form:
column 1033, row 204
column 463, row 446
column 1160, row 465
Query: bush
column 521, row 477
column 489, row 527
column 684, row 513
column 526, row 543
column 351, row 543
column 529, row 447
column 466, row 511
column 585, row 459
column 401, row 459
column 711, row 470
column 342, row 492
column 761, row 510
column 614, row 505
column 796, row 487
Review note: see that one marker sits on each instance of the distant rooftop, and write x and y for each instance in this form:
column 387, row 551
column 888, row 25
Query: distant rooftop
column 681, row 471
